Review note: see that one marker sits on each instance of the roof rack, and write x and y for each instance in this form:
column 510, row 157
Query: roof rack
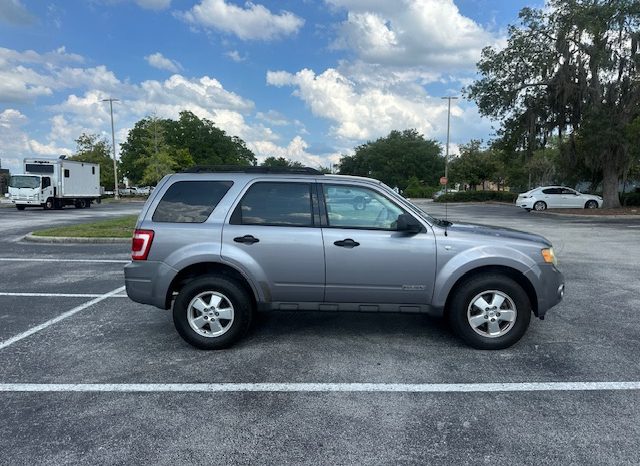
column 251, row 169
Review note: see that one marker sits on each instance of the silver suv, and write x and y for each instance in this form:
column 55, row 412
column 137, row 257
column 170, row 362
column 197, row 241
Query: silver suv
column 218, row 245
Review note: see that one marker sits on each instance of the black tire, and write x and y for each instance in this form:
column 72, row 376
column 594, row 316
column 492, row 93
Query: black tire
column 50, row 204
column 461, row 311
column 87, row 203
column 20, row 207
column 591, row 205
column 359, row 203
column 98, row 200
column 540, row 206
column 233, row 293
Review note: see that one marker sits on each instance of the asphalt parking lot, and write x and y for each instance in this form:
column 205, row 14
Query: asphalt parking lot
column 87, row 376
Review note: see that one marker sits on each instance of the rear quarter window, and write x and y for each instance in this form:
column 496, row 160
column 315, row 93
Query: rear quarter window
column 190, row 201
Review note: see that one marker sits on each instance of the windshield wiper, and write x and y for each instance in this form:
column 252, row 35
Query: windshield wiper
column 443, row 223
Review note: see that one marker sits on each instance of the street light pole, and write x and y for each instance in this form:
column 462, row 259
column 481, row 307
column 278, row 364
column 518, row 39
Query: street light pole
column 113, row 146
column 446, row 157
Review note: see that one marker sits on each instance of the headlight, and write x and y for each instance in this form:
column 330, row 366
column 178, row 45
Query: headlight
column 549, row 256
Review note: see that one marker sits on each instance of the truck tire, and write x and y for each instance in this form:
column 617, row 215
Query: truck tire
column 49, row 204
column 212, row 312
column 20, row 207
column 490, row 311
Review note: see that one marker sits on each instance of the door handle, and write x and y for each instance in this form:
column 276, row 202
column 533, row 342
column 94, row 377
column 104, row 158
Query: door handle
column 246, row 239
column 347, row 243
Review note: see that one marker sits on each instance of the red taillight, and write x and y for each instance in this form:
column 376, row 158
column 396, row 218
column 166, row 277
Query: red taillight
column 141, row 244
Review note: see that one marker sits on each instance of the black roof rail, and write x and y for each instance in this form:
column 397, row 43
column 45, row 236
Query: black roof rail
column 251, row 169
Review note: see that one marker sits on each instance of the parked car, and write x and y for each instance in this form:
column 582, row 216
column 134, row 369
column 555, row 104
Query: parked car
column 215, row 247
column 557, row 197
column 354, row 197
column 439, row 193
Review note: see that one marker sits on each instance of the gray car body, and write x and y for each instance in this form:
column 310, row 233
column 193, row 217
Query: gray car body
column 294, row 268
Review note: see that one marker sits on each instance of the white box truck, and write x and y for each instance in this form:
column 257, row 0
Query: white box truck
column 55, row 183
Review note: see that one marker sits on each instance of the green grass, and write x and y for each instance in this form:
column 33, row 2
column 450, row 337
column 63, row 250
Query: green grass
column 121, row 227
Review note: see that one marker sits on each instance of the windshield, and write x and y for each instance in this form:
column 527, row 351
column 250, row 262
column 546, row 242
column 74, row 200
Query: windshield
column 22, row 181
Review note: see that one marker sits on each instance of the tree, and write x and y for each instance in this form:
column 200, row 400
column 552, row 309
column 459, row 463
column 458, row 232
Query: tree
column 280, row 162
column 178, row 145
column 207, row 144
column 95, row 149
column 396, row 158
column 476, row 166
column 569, row 69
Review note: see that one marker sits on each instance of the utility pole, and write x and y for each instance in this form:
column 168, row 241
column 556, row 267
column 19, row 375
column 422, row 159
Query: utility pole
column 113, row 147
column 446, row 157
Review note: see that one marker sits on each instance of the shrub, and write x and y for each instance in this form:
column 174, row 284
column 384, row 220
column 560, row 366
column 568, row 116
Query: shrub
column 479, row 196
column 416, row 189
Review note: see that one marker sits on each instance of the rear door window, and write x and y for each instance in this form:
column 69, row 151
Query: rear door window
column 275, row 204
column 552, row 191
column 190, row 201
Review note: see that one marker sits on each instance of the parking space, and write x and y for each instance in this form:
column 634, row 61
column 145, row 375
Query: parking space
column 130, row 362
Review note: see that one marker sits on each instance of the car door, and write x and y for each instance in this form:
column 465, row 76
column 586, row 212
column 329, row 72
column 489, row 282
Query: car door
column 571, row 198
column 367, row 259
column 272, row 235
column 552, row 197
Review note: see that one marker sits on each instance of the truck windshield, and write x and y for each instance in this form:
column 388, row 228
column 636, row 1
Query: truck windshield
column 24, row 182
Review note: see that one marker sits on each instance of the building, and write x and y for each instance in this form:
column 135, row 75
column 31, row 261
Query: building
column 4, row 181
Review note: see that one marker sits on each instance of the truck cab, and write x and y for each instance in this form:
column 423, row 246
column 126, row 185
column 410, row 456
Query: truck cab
column 31, row 190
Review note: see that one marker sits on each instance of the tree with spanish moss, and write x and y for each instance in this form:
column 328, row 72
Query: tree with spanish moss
column 569, row 70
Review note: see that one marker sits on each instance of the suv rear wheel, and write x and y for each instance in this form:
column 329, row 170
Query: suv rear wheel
column 212, row 312
column 490, row 312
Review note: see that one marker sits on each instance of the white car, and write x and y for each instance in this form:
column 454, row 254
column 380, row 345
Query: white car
column 437, row 194
column 557, row 197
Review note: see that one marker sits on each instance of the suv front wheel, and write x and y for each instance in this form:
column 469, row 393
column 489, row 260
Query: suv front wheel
column 212, row 312
column 490, row 312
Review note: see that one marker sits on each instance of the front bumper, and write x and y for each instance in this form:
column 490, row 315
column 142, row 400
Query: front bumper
column 549, row 284
column 27, row 202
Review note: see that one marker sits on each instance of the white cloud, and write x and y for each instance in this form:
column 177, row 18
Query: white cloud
column 235, row 56
column 360, row 113
column 429, row 33
column 157, row 60
column 24, row 76
column 14, row 12
column 273, row 117
column 296, row 150
column 254, row 22
column 16, row 144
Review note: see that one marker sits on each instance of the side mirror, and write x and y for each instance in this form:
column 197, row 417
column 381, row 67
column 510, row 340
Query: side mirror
column 409, row 224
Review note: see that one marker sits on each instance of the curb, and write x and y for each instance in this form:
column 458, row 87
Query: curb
column 561, row 214
column 67, row 239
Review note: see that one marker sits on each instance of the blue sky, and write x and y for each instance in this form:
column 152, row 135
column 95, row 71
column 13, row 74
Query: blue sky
column 307, row 80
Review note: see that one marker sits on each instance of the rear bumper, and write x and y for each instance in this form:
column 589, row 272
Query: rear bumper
column 148, row 282
column 524, row 203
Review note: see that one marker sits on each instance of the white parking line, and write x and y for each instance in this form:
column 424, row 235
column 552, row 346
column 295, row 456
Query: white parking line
column 39, row 259
column 61, row 295
column 62, row 316
column 323, row 387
